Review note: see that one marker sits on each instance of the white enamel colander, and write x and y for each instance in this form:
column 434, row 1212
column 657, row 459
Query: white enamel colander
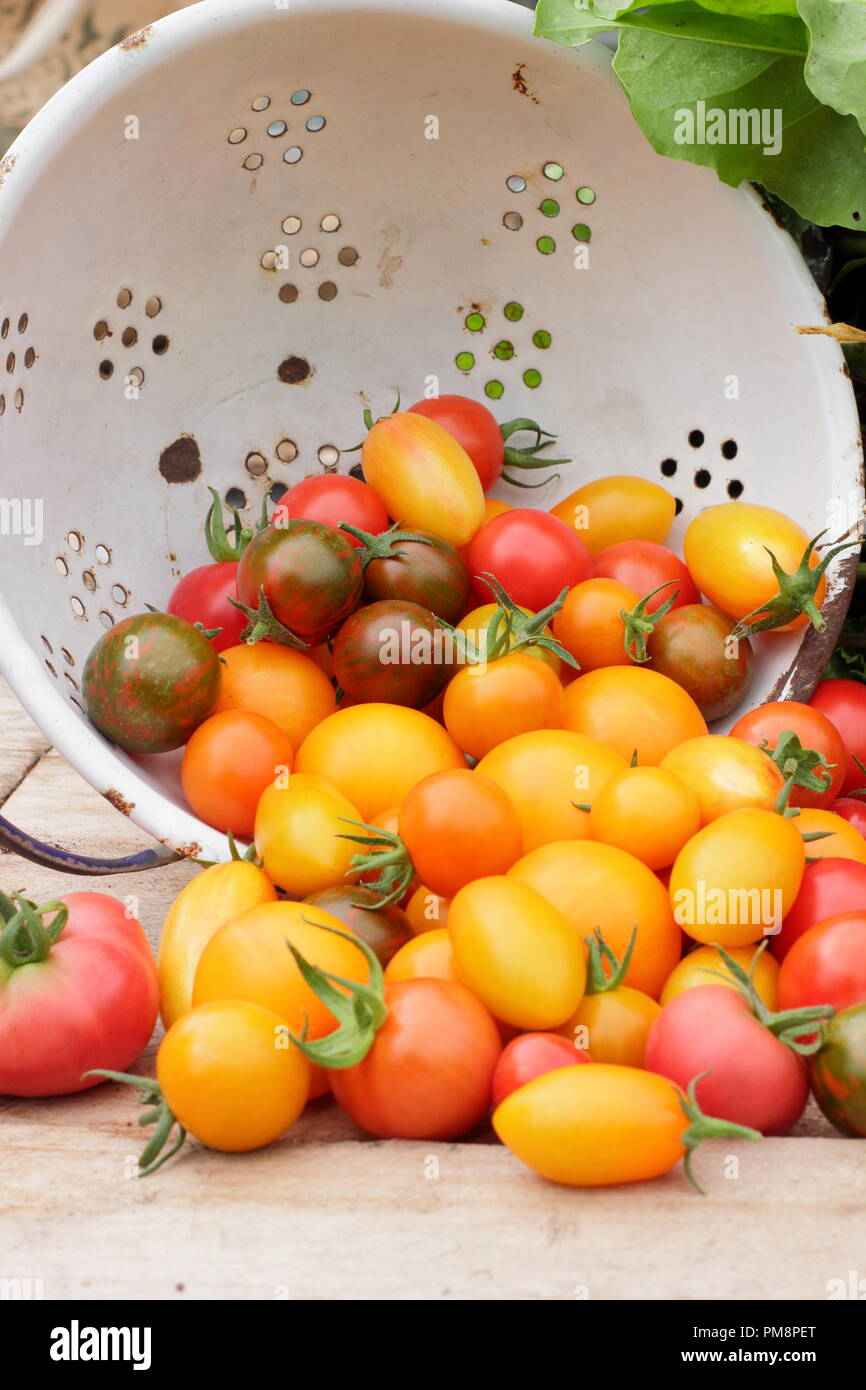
column 383, row 195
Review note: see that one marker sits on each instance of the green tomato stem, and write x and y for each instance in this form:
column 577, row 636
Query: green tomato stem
column 25, row 939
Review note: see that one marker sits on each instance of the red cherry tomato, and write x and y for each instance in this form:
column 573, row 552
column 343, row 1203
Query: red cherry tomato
column 829, row 886
column 643, row 566
column 473, row 426
column 767, row 723
column 332, row 498
column 530, row 1055
column 853, row 811
column 844, row 703
column 533, row 554
column 202, row 596
column 827, row 965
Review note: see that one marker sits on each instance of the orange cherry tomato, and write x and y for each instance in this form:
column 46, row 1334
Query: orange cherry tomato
column 614, row 1025
column 595, row 885
column 229, row 761
column 618, row 508
column 424, row 476
column 840, row 839
column 487, row 704
column 633, row 711
column 426, row 911
column 459, row 825
column 589, row 624
column 429, row 956
column 283, row 685
column 695, row 970
column 548, row 774
column 726, row 774
column 647, row 811
column 375, row 753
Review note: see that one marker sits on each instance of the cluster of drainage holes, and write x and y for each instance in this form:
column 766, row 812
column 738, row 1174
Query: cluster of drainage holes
column 102, row 556
column 503, row 350
column 276, row 128
column 129, row 337
column 279, row 257
column 703, row 477
column 287, row 451
column 14, row 358
column 68, row 659
column 549, row 207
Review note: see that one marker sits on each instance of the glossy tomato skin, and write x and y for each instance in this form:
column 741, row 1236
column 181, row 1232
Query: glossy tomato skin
column 385, row 929
column 210, row 1061
column 150, row 681
column 431, row 572
column 202, row 596
column 513, row 695
column 590, row 626
column 391, row 651
column 632, row 710
column 726, row 549
column 827, row 964
column 298, row 829
column 648, row 812
column 851, row 810
column 332, row 498
column 691, row 646
column 618, row 508
column 227, row 764
column 829, row 887
column 533, row 554
column 310, row 573
column 726, row 774
column 839, row 838
column 530, row 1055
column 844, row 703
column 429, row 956
column 616, row 1023
column 473, row 426
column 424, row 476
column 430, row 1070
column 767, row 723
column 704, row 966
column 285, row 686
column 643, row 566
column 838, row 1071
column 458, row 826
column 91, row 1003
column 594, row 1126
column 754, row 1079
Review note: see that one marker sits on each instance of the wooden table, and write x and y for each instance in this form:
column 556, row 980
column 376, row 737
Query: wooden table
column 327, row 1213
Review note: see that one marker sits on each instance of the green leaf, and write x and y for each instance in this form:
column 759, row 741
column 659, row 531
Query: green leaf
column 836, row 65
column 820, row 168
column 748, row 8
column 572, row 24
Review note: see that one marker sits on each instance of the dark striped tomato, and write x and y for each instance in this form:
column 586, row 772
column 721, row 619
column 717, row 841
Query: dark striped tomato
column 838, row 1071
column 311, row 576
column 150, row 681
column 393, row 652
column 431, row 572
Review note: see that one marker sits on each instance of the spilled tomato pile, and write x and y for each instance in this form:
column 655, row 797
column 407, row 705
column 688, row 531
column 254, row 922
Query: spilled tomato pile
column 499, row 868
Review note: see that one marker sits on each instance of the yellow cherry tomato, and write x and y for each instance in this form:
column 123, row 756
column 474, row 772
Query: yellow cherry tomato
column 595, row 885
column 615, row 1025
column 694, row 970
column 726, row 774
column 594, row 1126
column 476, row 625
column 726, row 547
column 487, row 704
column 424, row 476
column 299, row 824
column 429, row 956
column 374, row 754
column 548, row 774
column 200, row 908
column 249, row 958
column 516, row 952
column 840, row 839
column 231, row 1077
column 737, row 878
column 633, row 711
column 647, row 811
column 618, row 508
column 426, row 911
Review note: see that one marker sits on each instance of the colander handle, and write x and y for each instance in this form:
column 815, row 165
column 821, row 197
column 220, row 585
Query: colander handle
column 11, row 838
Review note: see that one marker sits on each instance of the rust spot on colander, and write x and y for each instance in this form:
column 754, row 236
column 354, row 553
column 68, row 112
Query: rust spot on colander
column 119, row 802
column 7, row 163
column 190, row 851
column 518, row 82
column 294, row 370
column 181, row 461
column 138, row 39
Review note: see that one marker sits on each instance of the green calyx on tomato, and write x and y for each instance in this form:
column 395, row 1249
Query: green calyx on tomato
column 796, row 593
column 359, row 1014
column 600, row 980
column 510, row 629
column 216, row 533
column 527, row 457
column 382, row 547
column 703, row 1127
column 154, row 1111
column 25, row 939
column 797, row 764
column 262, row 624
column 788, row 1025
column 639, row 627
column 387, row 857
